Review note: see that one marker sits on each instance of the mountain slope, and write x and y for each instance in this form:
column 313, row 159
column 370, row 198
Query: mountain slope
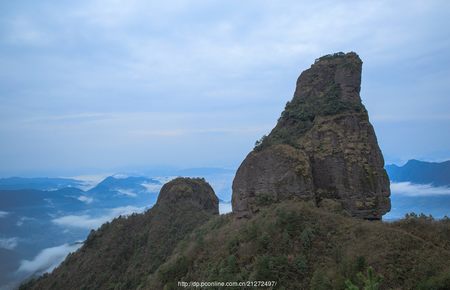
column 293, row 243
column 303, row 247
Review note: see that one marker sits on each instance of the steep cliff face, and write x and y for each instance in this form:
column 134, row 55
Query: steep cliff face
column 122, row 253
column 323, row 147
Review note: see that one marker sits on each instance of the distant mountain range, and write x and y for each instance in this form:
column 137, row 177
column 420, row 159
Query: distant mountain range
column 420, row 187
column 124, row 187
column 19, row 191
column 421, row 172
column 65, row 211
column 68, row 208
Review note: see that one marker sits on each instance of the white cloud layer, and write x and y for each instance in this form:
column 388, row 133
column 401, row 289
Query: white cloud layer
column 9, row 243
column 23, row 219
column 47, row 259
column 3, row 213
column 93, row 222
column 126, row 192
column 152, row 187
column 120, row 176
column 411, row 189
column 90, row 181
column 85, row 199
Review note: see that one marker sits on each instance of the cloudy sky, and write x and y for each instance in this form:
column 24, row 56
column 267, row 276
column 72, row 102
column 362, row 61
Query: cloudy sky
column 94, row 86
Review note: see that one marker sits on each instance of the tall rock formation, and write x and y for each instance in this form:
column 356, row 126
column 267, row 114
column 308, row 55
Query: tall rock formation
column 323, row 147
column 123, row 253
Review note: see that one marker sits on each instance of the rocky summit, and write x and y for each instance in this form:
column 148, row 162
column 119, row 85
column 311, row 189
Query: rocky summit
column 189, row 192
column 323, row 148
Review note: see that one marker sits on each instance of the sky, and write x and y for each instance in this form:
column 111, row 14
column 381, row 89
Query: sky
column 107, row 86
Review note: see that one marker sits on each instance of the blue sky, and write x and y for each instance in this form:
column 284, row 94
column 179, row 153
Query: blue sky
column 95, row 86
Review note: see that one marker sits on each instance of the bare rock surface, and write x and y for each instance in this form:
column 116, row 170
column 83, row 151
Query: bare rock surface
column 191, row 192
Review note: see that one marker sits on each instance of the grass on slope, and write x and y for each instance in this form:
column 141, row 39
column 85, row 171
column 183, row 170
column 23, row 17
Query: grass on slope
column 303, row 247
column 121, row 253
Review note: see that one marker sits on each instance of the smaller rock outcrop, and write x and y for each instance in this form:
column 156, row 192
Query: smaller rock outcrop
column 191, row 192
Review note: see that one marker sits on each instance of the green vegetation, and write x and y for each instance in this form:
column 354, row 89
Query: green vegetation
column 121, row 253
column 440, row 282
column 304, row 247
column 330, row 56
column 371, row 281
column 264, row 200
column 300, row 113
column 293, row 243
column 328, row 88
